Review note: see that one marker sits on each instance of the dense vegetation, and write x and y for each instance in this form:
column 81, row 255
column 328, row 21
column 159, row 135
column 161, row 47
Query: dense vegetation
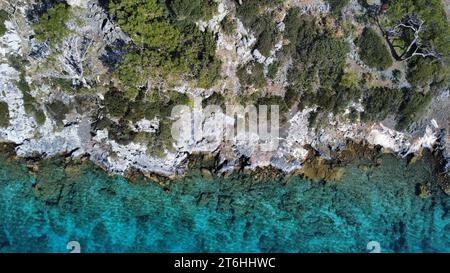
column 52, row 24
column 429, row 73
column 380, row 102
column 252, row 74
column 318, row 66
column 373, row 51
column 404, row 104
column 58, row 110
column 3, row 17
column 257, row 17
column 436, row 32
column 167, row 45
column 4, row 114
column 319, row 58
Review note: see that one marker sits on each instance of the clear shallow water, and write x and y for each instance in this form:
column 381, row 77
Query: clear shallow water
column 41, row 213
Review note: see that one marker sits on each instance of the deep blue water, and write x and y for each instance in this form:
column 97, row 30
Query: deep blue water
column 44, row 211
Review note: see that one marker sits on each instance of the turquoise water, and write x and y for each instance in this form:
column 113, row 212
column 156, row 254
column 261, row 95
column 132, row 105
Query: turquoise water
column 42, row 212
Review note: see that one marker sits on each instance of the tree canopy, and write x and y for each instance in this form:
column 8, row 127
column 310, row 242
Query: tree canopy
column 373, row 51
column 52, row 24
column 167, row 44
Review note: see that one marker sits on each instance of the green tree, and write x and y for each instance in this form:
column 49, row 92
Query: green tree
column 436, row 30
column 165, row 47
column 52, row 25
column 3, row 17
column 373, row 51
column 318, row 60
column 423, row 71
column 380, row 102
column 4, row 114
column 412, row 106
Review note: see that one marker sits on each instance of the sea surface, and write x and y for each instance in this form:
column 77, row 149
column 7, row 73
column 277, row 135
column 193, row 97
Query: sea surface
column 43, row 211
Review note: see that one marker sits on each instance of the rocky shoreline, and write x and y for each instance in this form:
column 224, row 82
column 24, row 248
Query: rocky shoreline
column 315, row 167
column 302, row 149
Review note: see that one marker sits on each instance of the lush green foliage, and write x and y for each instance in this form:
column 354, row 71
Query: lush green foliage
column 249, row 11
column 52, row 24
column 4, row 114
column 380, row 102
column 167, row 45
column 405, row 104
column 266, row 33
column 145, row 22
column 116, row 102
column 423, row 72
column 436, row 32
column 3, row 17
column 319, row 58
column 411, row 108
column 273, row 70
column 373, row 51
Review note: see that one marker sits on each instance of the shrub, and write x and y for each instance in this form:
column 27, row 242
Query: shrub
column 396, row 76
column 193, row 10
column 121, row 132
column 29, row 102
column 319, row 59
column 40, row 117
column 52, row 25
column 353, row 115
column 215, row 99
column 373, row 51
column 116, row 103
column 3, row 17
column 4, row 114
column 249, row 11
column 380, row 102
column 312, row 119
column 254, row 77
column 267, row 37
column 424, row 71
column 228, row 25
column 257, row 17
column 58, row 110
column 413, row 105
column 275, row 100
column 273, row 70
column 292, row 23
column 17, row 62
